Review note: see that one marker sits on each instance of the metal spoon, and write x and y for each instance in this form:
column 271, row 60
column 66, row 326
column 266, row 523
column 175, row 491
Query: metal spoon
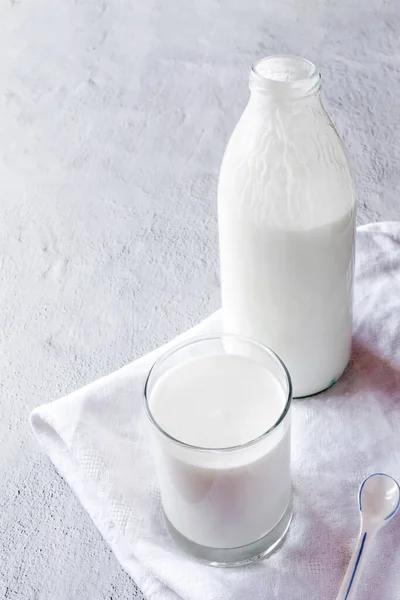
column 378, row 499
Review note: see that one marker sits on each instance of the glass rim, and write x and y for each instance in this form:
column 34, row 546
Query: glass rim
column 210, row 337
column 313, row 78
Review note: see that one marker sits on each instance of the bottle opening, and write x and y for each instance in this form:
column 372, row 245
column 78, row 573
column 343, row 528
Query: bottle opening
column 285, row 75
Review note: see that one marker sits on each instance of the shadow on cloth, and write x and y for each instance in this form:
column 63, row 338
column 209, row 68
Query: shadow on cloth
column 371, row 371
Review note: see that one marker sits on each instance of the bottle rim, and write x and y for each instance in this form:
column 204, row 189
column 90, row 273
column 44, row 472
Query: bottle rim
column 285, row 76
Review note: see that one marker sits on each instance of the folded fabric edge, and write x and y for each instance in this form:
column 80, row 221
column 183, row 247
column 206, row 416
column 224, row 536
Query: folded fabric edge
column 144, row 361
column 53, row 445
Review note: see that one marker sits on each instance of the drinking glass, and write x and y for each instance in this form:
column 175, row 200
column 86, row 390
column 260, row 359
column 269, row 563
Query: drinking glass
column 231, row 505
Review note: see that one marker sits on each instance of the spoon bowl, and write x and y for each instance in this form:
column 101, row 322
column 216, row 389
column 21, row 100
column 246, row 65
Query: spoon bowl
column 379, row 498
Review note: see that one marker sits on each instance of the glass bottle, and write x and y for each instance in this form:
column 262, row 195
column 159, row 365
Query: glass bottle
column 286, row 213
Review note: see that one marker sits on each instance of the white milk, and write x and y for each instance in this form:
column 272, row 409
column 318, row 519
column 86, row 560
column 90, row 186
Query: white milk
column 295, row 294
column 286, row 207
column 231, row 498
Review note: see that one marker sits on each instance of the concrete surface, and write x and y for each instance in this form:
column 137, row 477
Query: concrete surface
column 113, row 118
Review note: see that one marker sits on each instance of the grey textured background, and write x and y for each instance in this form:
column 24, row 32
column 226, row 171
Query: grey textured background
column 113, row 119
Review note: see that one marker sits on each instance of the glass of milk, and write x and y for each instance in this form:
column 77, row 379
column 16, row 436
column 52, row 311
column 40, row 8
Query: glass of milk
column 219, row 407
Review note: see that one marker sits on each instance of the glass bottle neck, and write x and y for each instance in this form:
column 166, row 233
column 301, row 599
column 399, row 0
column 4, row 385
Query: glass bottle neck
column 285, row 78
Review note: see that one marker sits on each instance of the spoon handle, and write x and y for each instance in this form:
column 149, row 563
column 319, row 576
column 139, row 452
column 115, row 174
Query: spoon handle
column 352, row 577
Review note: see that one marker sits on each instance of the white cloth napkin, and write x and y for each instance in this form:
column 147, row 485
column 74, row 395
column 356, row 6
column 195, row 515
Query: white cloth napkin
column 97, row 438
